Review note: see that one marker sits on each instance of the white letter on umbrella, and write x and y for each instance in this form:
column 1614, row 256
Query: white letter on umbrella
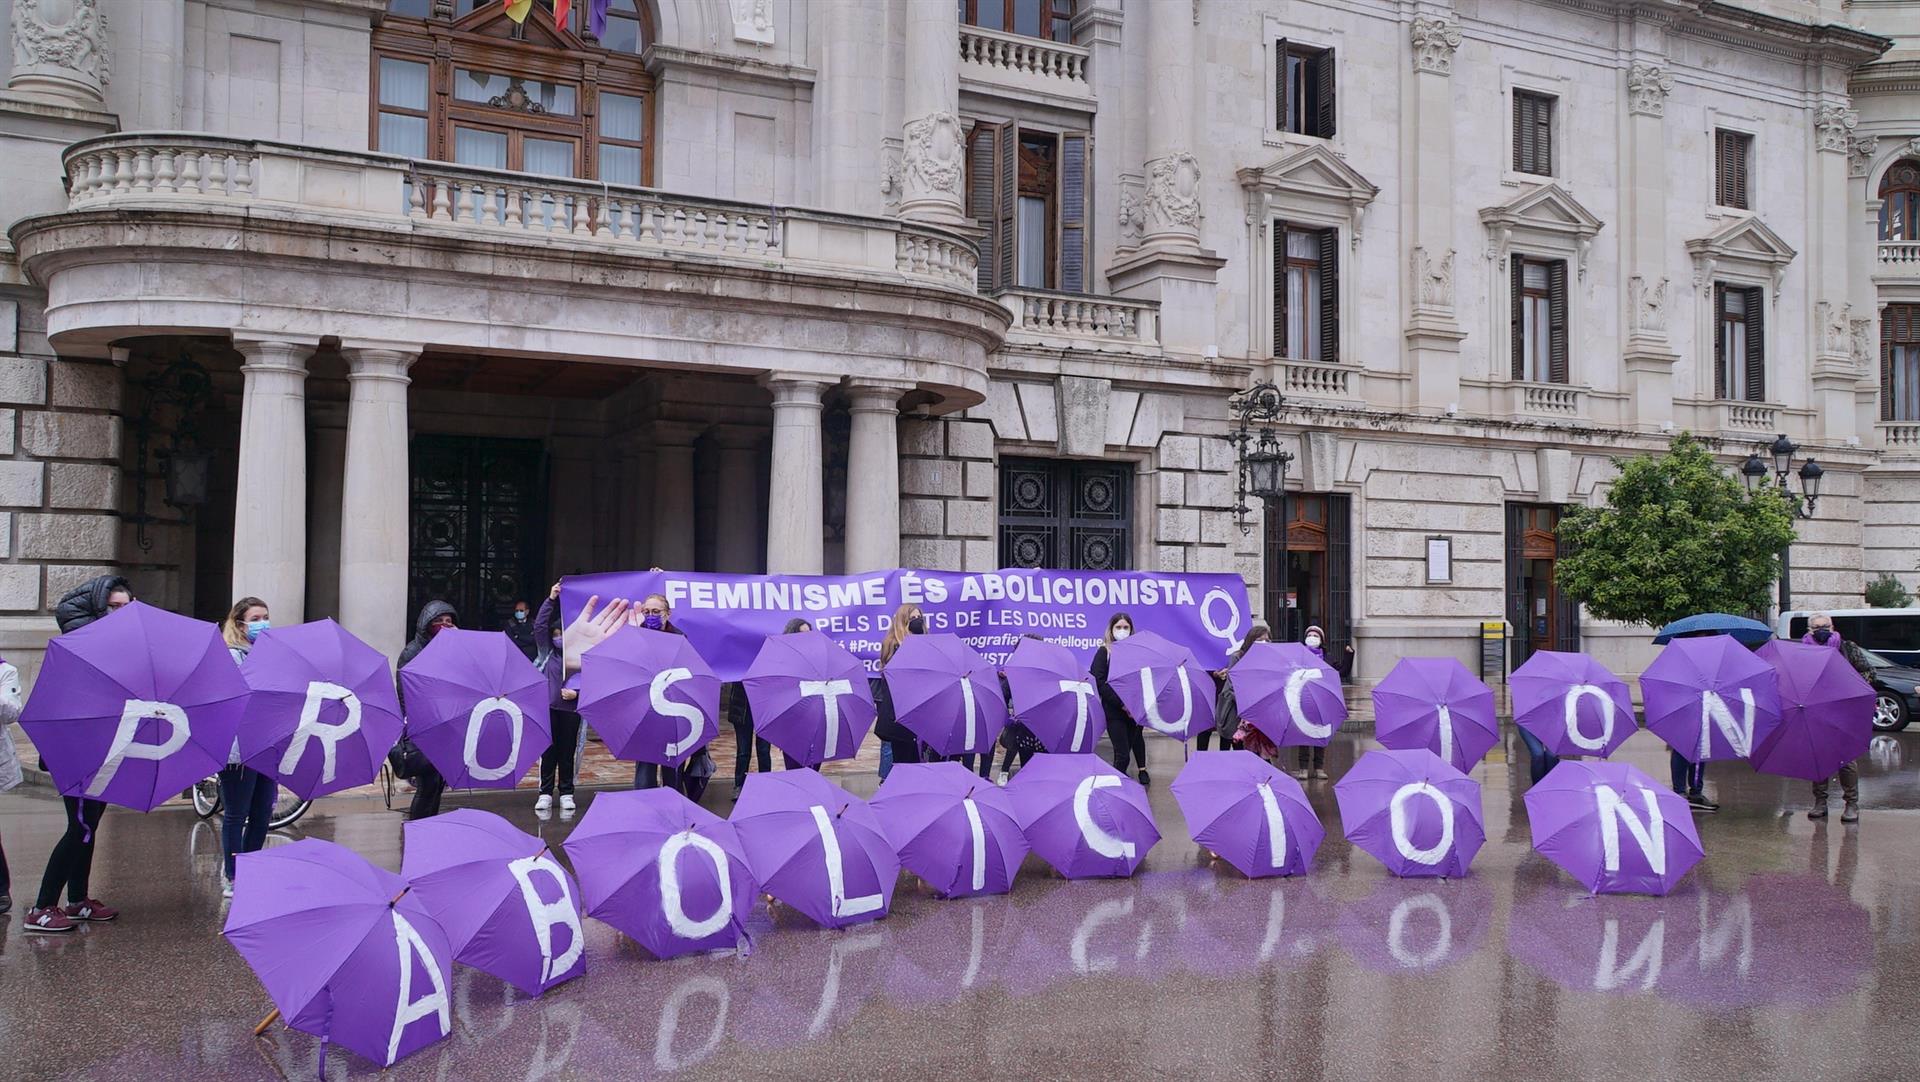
column 1445, row 727
column 829, row 692
column 1097, row 839
column 657, row 695
column 409, row 1010
column 843, row 906
column 1276, row 826
column 319, row 693
column 684, row 926
column 1714, row 711
column 125, row 747
column 1651, row 835
column 476, row 718
column 1571, row 704
column 1403, row 826
column 966, row 696
column 1296, row 688
column 1082, row 693
column 1178, row 728
column 549, row 915
column 979, row 843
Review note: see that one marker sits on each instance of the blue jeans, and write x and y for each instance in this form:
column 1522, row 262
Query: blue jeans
column 246, row 804
column 886, row 759
column 1543, row 760
column 1688, row 779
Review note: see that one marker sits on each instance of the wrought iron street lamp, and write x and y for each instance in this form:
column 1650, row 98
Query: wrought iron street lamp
column 1262, row 468
column 1754, row 473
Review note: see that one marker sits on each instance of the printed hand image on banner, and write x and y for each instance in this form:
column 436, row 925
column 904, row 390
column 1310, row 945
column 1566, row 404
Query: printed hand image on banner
column 727, row 617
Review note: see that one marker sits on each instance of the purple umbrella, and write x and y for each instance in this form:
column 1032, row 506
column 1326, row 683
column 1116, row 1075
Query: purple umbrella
column 1289, row 693
column 816, row 847
column 664, row 870
column 1082, row 816
column 1161, row 685
column 1710, row 698
column 323, row 711
column 1244, row 809
column 507, row 905
column 1613, row 828
column 649, row 696
column 1826, row 713
column 946, row 694
column 1412, row 811
column 1572, row 704
column 477, row 708
column 345, row 950
column 1051, row 693
column 810, row 697
column 951, row 827
column 133, row 708
column 1436, row 704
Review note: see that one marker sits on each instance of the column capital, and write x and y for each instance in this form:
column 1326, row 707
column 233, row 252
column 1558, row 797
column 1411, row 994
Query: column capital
column 797, row 388
column 1647, row 87
column 1435, row 37
column 877, row 395
column 379, row 360
column 288, row 355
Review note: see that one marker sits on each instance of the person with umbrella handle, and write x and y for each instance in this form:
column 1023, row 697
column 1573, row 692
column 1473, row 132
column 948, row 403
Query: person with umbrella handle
column 1313, row 759
column 1820, row 632
column 1129, row 739
column 246, row 795
column 557, row 762
column 655, row 613
column 898, row 743
column 428, row 785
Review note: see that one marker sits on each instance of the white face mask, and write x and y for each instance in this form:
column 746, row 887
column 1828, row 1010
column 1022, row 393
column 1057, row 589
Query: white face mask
column 1313, row 640
column 1121, row 633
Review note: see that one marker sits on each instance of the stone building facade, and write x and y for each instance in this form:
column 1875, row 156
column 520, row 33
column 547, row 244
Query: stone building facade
column 347, row 303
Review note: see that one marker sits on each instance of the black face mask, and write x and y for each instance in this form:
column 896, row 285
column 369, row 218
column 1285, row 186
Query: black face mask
column 917, row 625
column 1822, row 634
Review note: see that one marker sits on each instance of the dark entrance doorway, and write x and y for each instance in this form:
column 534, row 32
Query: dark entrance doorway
column 478, row 526
column 1072, row 516
column 1315, row 550
column 1542, row 618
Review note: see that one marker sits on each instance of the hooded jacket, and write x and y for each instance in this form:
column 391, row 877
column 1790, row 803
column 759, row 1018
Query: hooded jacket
column 87, row 602
column 422, row 634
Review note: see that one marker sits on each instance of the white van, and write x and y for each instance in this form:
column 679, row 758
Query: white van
column 1892, row 633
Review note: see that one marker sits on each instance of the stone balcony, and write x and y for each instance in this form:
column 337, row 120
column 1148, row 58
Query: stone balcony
column 1898, row 259
column 993, row 61
column 1899, row 439
column 1312, row 380
column 1760, row 417
column 1078, row 321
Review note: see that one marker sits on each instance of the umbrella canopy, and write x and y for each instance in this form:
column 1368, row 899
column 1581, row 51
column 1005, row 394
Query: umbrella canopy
column 649, row 696
column 1436, row 704
column 1710, row 698
column 1572, row 704
column 1826, row 713
column 1612, row 828
column 507, row 906
column 1244, row 809
column 1289, row 693
column 135, row 707
column 946, row 694
column 477, row 708
column 951, row 827
column 1413, row 812
column 345, row 950
column 1749, row 632
column 1052, row 694
column 1082, row 816
column 323, row 711
column 664, row 870
column 1161, row 685
column 816, row 847
column 809, row 697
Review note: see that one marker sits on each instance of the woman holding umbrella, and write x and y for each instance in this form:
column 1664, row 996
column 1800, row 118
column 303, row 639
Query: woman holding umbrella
column 740, row 716
column 899, row 745
column 1122, row 729
column 557, row 762
column 246, row 795
column 1226, row 710
column 428, row 785
column 1313, row 760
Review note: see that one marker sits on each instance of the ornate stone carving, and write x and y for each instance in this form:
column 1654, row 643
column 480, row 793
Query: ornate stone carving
column 516, row 99
column 1649, row 304
column 1860, row 344
column 1835, row 330
column 1647, row 88
column 1433, row 280
column 1833, row 127
column 1860, row 151
column 753, row 21
column 1133, row 214
column 1435, row 38
column 932, row 157
column 893, row 182
column 60, row 49
column 1173, row 192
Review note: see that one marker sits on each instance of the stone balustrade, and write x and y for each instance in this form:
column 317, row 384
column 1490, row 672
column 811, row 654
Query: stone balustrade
column 1082, row 321
column 1751, row 417
column 1551, row 399
column 1300, row 378
column 996, row 54
column 1900, row 256
column 1900, row 436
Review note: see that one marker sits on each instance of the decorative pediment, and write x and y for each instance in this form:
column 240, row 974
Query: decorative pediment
column 491, row 19
column 1313, row 171
column 1547, row 208
column 1743, row 240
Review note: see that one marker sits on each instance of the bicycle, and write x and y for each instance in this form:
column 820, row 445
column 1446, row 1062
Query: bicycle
column 287, row 808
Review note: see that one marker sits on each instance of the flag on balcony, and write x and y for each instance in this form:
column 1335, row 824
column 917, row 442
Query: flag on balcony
column 562, row 10
column 517, row 9
column 597, row 17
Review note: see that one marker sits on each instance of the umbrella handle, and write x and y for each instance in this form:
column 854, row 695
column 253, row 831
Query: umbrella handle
column 267, row 1021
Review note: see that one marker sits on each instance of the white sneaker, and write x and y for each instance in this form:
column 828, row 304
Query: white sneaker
column 566, row 803
column 1003, row 777
column 226, row 888
column 545, row 802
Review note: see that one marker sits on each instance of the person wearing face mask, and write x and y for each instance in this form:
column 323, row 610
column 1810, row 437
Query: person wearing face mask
column 656, row 614
column 246, row 795
column 557, row 762
column 1226, row 708
column 898, row 743
column 1313, row 760
column 521, row 630
column 1129, row 740
column 428, row 786
column 1820, row 632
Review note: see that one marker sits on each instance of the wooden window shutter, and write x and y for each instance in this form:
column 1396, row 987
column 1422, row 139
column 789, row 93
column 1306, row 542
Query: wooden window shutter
column 1279, row 233
column 1330, row 295
column 1074, row 197
column 1756, row 358
column 1006, row 198
column 1893, row 314
column 1320, row 72
column 1280, row 85
column 1720, row 365
column 1543, row 135
column 1741, row 143
column 1522, row 134
column 1723, row 171
column 1516, row 312
column 1557, row 321
column 983, row 174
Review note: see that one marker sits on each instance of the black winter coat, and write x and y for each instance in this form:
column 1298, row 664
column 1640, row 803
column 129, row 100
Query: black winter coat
column 87, row 602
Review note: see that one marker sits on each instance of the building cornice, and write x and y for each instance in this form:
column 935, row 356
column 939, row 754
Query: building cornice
column 660, row 58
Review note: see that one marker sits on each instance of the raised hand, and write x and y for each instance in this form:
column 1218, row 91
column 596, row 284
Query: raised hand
column 590, row 628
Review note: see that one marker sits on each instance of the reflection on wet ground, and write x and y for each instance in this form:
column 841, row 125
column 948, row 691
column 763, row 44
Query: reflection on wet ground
column 1789, row 953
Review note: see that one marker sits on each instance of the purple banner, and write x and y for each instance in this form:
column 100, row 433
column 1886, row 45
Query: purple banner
column 727, row 616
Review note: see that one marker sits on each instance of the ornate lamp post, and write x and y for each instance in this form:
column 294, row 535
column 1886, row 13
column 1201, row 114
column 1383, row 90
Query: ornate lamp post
column 1754, row 472
column 1262, row 469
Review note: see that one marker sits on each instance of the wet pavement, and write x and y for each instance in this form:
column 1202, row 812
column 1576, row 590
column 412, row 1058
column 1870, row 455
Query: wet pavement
column 1791, row 952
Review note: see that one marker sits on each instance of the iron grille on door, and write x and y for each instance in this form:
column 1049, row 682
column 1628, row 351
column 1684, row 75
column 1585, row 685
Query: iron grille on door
column 478, row 535
column 1066, row 515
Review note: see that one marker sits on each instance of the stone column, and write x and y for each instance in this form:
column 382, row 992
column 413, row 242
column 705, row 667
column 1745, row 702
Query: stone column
column 60, row 51
column 873, row 476
column 327, row 459
column 1835, row 369
column 1649, row 357
column 795, row 526
column 1433, row 331
column 737, row 525
column 374, row 496
column 270, row 503
column 933, row 149
column 1173, row 173
column 671, row 516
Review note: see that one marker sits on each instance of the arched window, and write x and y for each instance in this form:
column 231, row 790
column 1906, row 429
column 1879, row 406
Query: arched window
column 1900, row 201
column 1049, row 19
column 480, row 89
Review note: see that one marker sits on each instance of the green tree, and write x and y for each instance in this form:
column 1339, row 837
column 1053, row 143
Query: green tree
column 1886, row 592
column 1678, row 535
